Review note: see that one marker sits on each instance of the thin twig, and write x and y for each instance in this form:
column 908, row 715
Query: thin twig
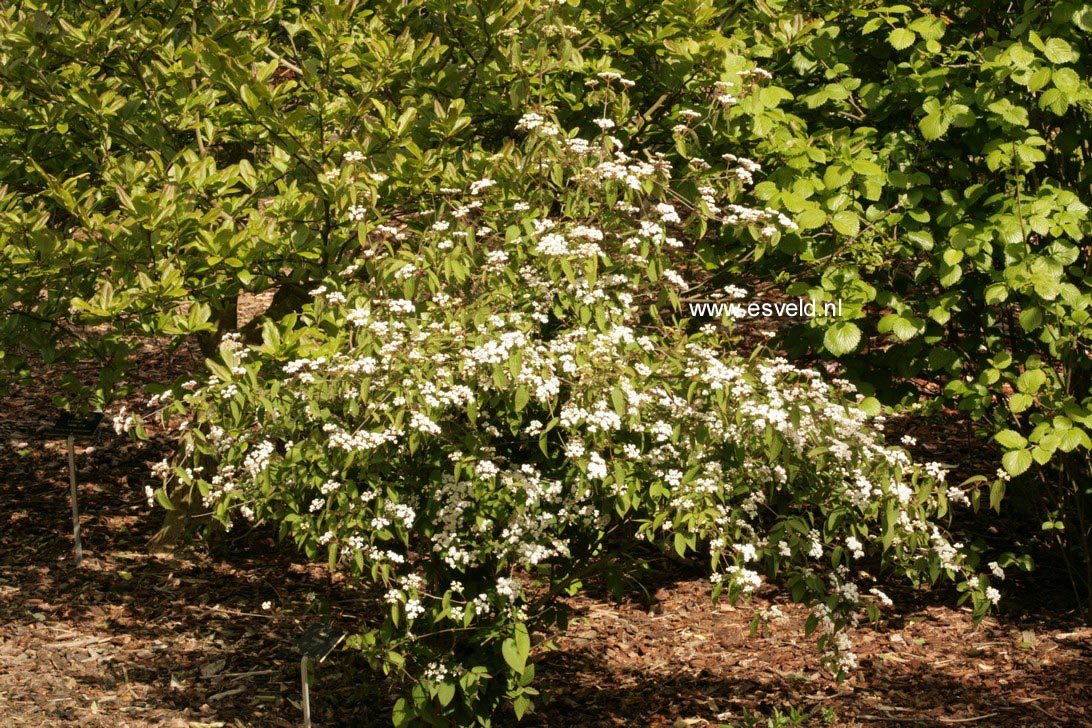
column 972, row 719
column 239, row 674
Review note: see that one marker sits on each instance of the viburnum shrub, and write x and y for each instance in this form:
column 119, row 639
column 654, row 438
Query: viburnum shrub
column 499, row 397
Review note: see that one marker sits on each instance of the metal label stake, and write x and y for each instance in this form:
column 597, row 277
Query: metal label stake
column 316, row 643
column 70, row 427
column 75, row 500
column 306, row 692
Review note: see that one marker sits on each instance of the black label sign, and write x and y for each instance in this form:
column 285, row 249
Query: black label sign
column 319, row 640
column 69, row 425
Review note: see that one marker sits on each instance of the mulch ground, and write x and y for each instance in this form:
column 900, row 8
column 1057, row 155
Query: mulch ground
column 133, row 639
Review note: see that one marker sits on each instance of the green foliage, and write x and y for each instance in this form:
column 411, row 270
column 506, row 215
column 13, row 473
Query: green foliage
column 160, row 159
column 793, row 716
column 935, row 158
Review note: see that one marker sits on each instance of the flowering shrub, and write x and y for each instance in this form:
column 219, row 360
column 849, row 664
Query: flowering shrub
column 498, row 396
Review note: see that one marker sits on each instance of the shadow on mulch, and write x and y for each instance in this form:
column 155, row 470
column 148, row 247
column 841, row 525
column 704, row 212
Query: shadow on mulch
column 150, row 639
column 921, row 695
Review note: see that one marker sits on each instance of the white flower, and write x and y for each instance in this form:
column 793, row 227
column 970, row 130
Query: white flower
column 958, row 495
column 855, row 547
column 668, row 213
column 996, row 570
column 597, row 468
column 414, row 609
column 747, row 551
column 267, row 606
column 529, row 122
column 993, row 595
column 815, row 550
column 508, row 588
column 400, row 305
column 604, row 124
column 436, row 672
column 884, row 599
column 936, row 471
column 477, row 187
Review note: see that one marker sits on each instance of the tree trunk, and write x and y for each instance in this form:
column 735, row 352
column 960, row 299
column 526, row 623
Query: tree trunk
column 226, row 318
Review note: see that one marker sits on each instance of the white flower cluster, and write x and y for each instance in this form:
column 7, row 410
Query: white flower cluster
column 744, row 168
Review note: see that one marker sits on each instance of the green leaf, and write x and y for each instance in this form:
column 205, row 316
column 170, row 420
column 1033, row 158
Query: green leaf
column 811, row 218
column 1020, row 402
column 1041, row 455
column 1031, row 318
column 902, row 38
column 950, row 275
column 996, row 293
column 512, row 656
column 1016, row 462
column 520, row 704
column 870, row 406
column 405, row 121
column 1010, row 439
column 1066, row 80
column 680, row 544
column 163, row 499
column 401, row 713
column 1082, row 17
column 907, row 329
column 522, row 396
column 1039, row 79
column 842, row 338
column 921, row 238
column 866, row 167
column 933, row 126
column 618, row 399
column 1058, row 50
column 997, row 493
column 1031, row 380
column 1072, row 439
column 523, row 641
column 846, row 222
